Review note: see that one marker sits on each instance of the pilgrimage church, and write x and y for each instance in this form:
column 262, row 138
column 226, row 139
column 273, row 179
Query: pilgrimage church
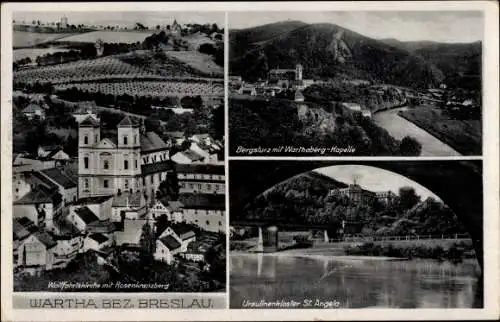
column 133, row 161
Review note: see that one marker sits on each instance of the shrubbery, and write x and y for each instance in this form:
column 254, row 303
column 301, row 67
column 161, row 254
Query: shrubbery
column 456, row 253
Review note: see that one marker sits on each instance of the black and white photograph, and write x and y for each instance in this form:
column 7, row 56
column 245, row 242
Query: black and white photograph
column 355, row 83
column 348, row 235
column 118, row 175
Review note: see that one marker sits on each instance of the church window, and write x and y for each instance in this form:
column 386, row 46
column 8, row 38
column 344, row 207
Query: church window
column 125, row 140
column 135, row 139
column 86, row 162
column 209, row 186
column 85, row 140
column 135, row 164
column 125, row 164
column 96, row 138
column 106, row 164
column 106, row 183
column 86, row 183
column 126, row 184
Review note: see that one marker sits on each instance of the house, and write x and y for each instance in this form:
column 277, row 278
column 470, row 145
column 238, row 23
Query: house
column 23, row 163
column 177, row 137
column 152, row 176
column 366, row 113
column 187, row 157
column 208, row 152
column 22, row 228
column 193, row 257
column 352, row 106
column 207, row 211
column 67, row 247
column 96, row 241
column 101, row 206
column 36, row 252
column 171, row 209
column 247, row 90
column 131, row 233
column 166, row 247
column 201, row 178
column 20, row 185
column 131, row 204
column 67, row 186
column 34, row 110
column 81, row 218
column 299, row 97
column 37, row 205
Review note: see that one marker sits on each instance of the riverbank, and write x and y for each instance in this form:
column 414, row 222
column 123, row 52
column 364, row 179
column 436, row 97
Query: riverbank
column 398, row 127
column 462, row 135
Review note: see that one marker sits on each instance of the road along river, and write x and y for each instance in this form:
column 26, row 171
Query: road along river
column 398, row 128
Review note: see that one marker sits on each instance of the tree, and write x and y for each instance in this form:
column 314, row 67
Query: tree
column 409, row 146
column 408, row 198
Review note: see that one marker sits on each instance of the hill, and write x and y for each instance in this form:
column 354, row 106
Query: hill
column 459, row 62
column 329, row 50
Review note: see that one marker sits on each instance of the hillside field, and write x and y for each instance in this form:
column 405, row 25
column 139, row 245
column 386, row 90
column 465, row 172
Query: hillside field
column 28, row 39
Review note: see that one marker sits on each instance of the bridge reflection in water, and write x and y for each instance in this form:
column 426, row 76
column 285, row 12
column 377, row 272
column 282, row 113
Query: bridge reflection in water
column 354, row 283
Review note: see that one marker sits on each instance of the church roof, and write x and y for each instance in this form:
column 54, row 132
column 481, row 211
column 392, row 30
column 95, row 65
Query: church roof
column 90, row 121
column 127, row 122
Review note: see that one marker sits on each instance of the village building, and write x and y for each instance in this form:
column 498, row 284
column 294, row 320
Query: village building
column 187, row 157
column 36, row 253
column 352, row 106
column 128, row 205
column 171, row 209
column 201, row 178
column 130, row 234
column 170, row 243
column 55, row 178
column 177, row 138
column 207, row 211
column 38, row 206
column 34, row 110
column 23, row 163
column 286, row 78
column 20, row 185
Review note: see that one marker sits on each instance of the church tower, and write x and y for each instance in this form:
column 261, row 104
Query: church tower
column 298, row 72
column 89, row 133
column 128, row 166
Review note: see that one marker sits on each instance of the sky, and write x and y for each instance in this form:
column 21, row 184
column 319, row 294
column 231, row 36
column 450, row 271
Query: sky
column 124, row 18
column 374, row 179
column 440, row 26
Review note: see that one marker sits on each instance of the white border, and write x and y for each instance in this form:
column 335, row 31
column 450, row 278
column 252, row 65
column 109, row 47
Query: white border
column 490, row 167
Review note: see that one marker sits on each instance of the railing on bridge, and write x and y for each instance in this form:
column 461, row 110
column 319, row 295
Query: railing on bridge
column 398, row 238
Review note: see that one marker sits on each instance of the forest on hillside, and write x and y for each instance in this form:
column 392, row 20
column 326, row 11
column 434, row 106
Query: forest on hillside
column 269, row 124
column 305, row 199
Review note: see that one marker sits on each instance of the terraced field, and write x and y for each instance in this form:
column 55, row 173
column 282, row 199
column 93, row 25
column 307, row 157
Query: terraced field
column 126, row 37
column 151, row 88
column 83, row 70
column 198, row 61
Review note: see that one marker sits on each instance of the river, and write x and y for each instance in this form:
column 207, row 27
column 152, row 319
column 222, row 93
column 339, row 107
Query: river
column 351, row 283
column 398, row 128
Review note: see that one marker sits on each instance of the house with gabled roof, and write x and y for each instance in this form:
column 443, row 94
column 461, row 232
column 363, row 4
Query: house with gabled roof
column 34, row 110
column 36, row 252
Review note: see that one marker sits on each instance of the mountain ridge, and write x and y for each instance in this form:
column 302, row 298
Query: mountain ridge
column 329, row 50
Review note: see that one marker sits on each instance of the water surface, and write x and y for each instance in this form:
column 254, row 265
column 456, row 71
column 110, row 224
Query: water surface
column 352, row 283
